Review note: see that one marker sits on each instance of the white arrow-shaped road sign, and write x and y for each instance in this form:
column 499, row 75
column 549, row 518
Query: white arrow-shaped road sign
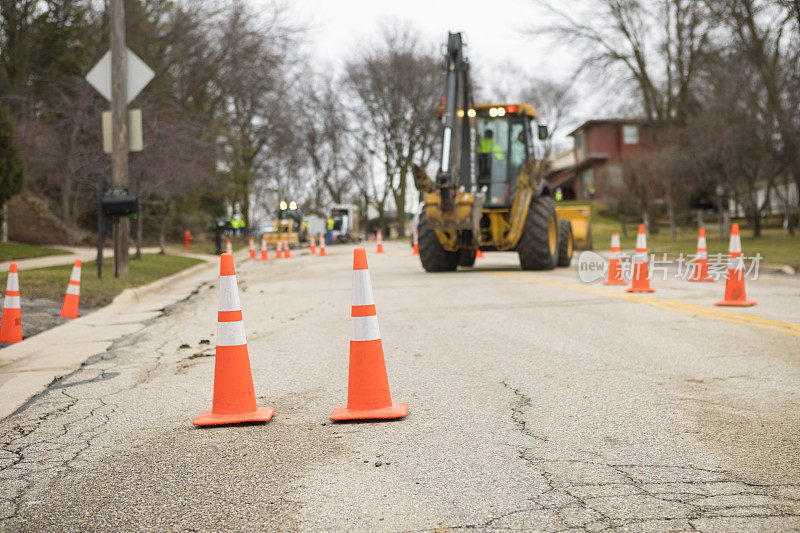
column 139, row 75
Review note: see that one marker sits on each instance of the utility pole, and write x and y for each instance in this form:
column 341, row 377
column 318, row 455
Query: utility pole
column 119, row 128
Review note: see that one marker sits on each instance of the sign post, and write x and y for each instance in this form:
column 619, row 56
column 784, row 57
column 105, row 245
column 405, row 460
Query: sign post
column 119, row 76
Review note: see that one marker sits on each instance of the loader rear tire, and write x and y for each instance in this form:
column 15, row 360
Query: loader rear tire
column 538, row 245
column 434, row 258
column 566, row 243
column 466, row 258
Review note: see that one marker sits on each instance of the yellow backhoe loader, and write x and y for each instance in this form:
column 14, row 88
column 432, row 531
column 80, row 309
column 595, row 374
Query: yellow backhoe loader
column 489, row 192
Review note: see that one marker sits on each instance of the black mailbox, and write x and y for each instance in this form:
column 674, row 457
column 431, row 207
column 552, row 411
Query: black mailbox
column 120, row 205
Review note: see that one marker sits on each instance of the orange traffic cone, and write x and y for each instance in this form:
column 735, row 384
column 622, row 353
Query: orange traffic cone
column 614, row 264
column 278, row 250
column 641, row 270
column 234, row 397
column 264, row 254
column 313, row 246
column 228, row 247
column 252, row 249
column 11, row 322
column 187, row 239
column 368, row 394
column 286, row 252
column 416, row 242
column 380, row 243
column 734, row 281
column 69, row 309
column 479, row 254
column 701, row 261
column 322, row 246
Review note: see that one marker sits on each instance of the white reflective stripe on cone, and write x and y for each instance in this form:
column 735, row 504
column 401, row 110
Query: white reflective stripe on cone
column 362, row 288
column 736, row 263
column 615, row 241
column 640, row 257
column 74, row 289
column 736, row 244
column 230, row 333
column 702, row 254
column 701, row 242
column 615, row 255
column 364, row 328
column 13, row 282
column 76, row 274
column 641, row 240
column 11, row 302
column 228, row 294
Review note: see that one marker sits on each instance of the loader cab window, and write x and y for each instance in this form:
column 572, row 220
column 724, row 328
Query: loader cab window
column 502, row 149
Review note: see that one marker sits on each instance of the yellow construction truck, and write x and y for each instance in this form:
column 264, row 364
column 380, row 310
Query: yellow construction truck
column 289, row 225
column 489, row 192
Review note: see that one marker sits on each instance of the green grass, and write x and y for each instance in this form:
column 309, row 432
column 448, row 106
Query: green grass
column 775, row 246
column 51, row 282
column 14, row 252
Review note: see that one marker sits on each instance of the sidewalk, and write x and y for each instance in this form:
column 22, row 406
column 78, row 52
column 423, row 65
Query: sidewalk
column 84, row 253
column 28, row 367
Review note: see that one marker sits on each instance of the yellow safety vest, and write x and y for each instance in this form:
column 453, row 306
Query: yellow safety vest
column 488, row 146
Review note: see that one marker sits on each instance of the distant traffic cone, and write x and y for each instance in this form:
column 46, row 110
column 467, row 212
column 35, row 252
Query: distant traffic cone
column 228, row 247
column 416, row 242
column 734, row 281
column 313, row 247
column 187, row 239
column 234, row 397
column 615, row 264
column 252, row 249
column 380, row 243
column 479, row 254
column 264, row 254
column 278, row 250
column 368, row 395
column 641, row 270
column 322, row 246
column 286, row 252
column 372, row 237
column 11, row 322
column 69, row 309
column 701, row 261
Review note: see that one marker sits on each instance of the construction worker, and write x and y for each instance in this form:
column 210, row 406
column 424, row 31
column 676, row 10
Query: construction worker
column 489, row 146
column 559, row 194
column 329, row 230
column 238, row 225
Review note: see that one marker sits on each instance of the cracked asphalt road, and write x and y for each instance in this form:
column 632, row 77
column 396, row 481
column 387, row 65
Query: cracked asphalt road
column 535, row 405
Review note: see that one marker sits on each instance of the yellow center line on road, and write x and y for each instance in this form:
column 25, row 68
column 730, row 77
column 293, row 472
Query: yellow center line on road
column 690, row 309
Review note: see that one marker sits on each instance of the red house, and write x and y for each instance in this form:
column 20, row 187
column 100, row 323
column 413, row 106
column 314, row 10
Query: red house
column 604, row 152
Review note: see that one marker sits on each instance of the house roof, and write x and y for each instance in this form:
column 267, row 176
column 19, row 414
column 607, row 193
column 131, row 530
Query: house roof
column 607, row 121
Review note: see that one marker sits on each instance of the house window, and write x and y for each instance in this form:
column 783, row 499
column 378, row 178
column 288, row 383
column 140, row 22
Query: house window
column 580, row 149
column 630, row 135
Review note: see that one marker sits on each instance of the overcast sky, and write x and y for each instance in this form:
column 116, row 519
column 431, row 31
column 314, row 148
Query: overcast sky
column 495, row 29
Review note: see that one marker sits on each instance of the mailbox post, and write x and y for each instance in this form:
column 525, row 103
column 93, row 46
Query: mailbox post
column 118, row 204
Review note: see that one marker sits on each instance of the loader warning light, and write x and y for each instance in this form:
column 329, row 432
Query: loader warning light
column 512, row 109
column 283, row 205
column 471, row 113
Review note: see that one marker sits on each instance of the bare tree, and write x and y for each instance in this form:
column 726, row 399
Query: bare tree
column 554, row 102
column 765, row 35
column 397, row 86
column 659, row 45
column 324, row 132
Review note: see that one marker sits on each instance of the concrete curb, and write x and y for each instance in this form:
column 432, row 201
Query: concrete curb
column 28, row 367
